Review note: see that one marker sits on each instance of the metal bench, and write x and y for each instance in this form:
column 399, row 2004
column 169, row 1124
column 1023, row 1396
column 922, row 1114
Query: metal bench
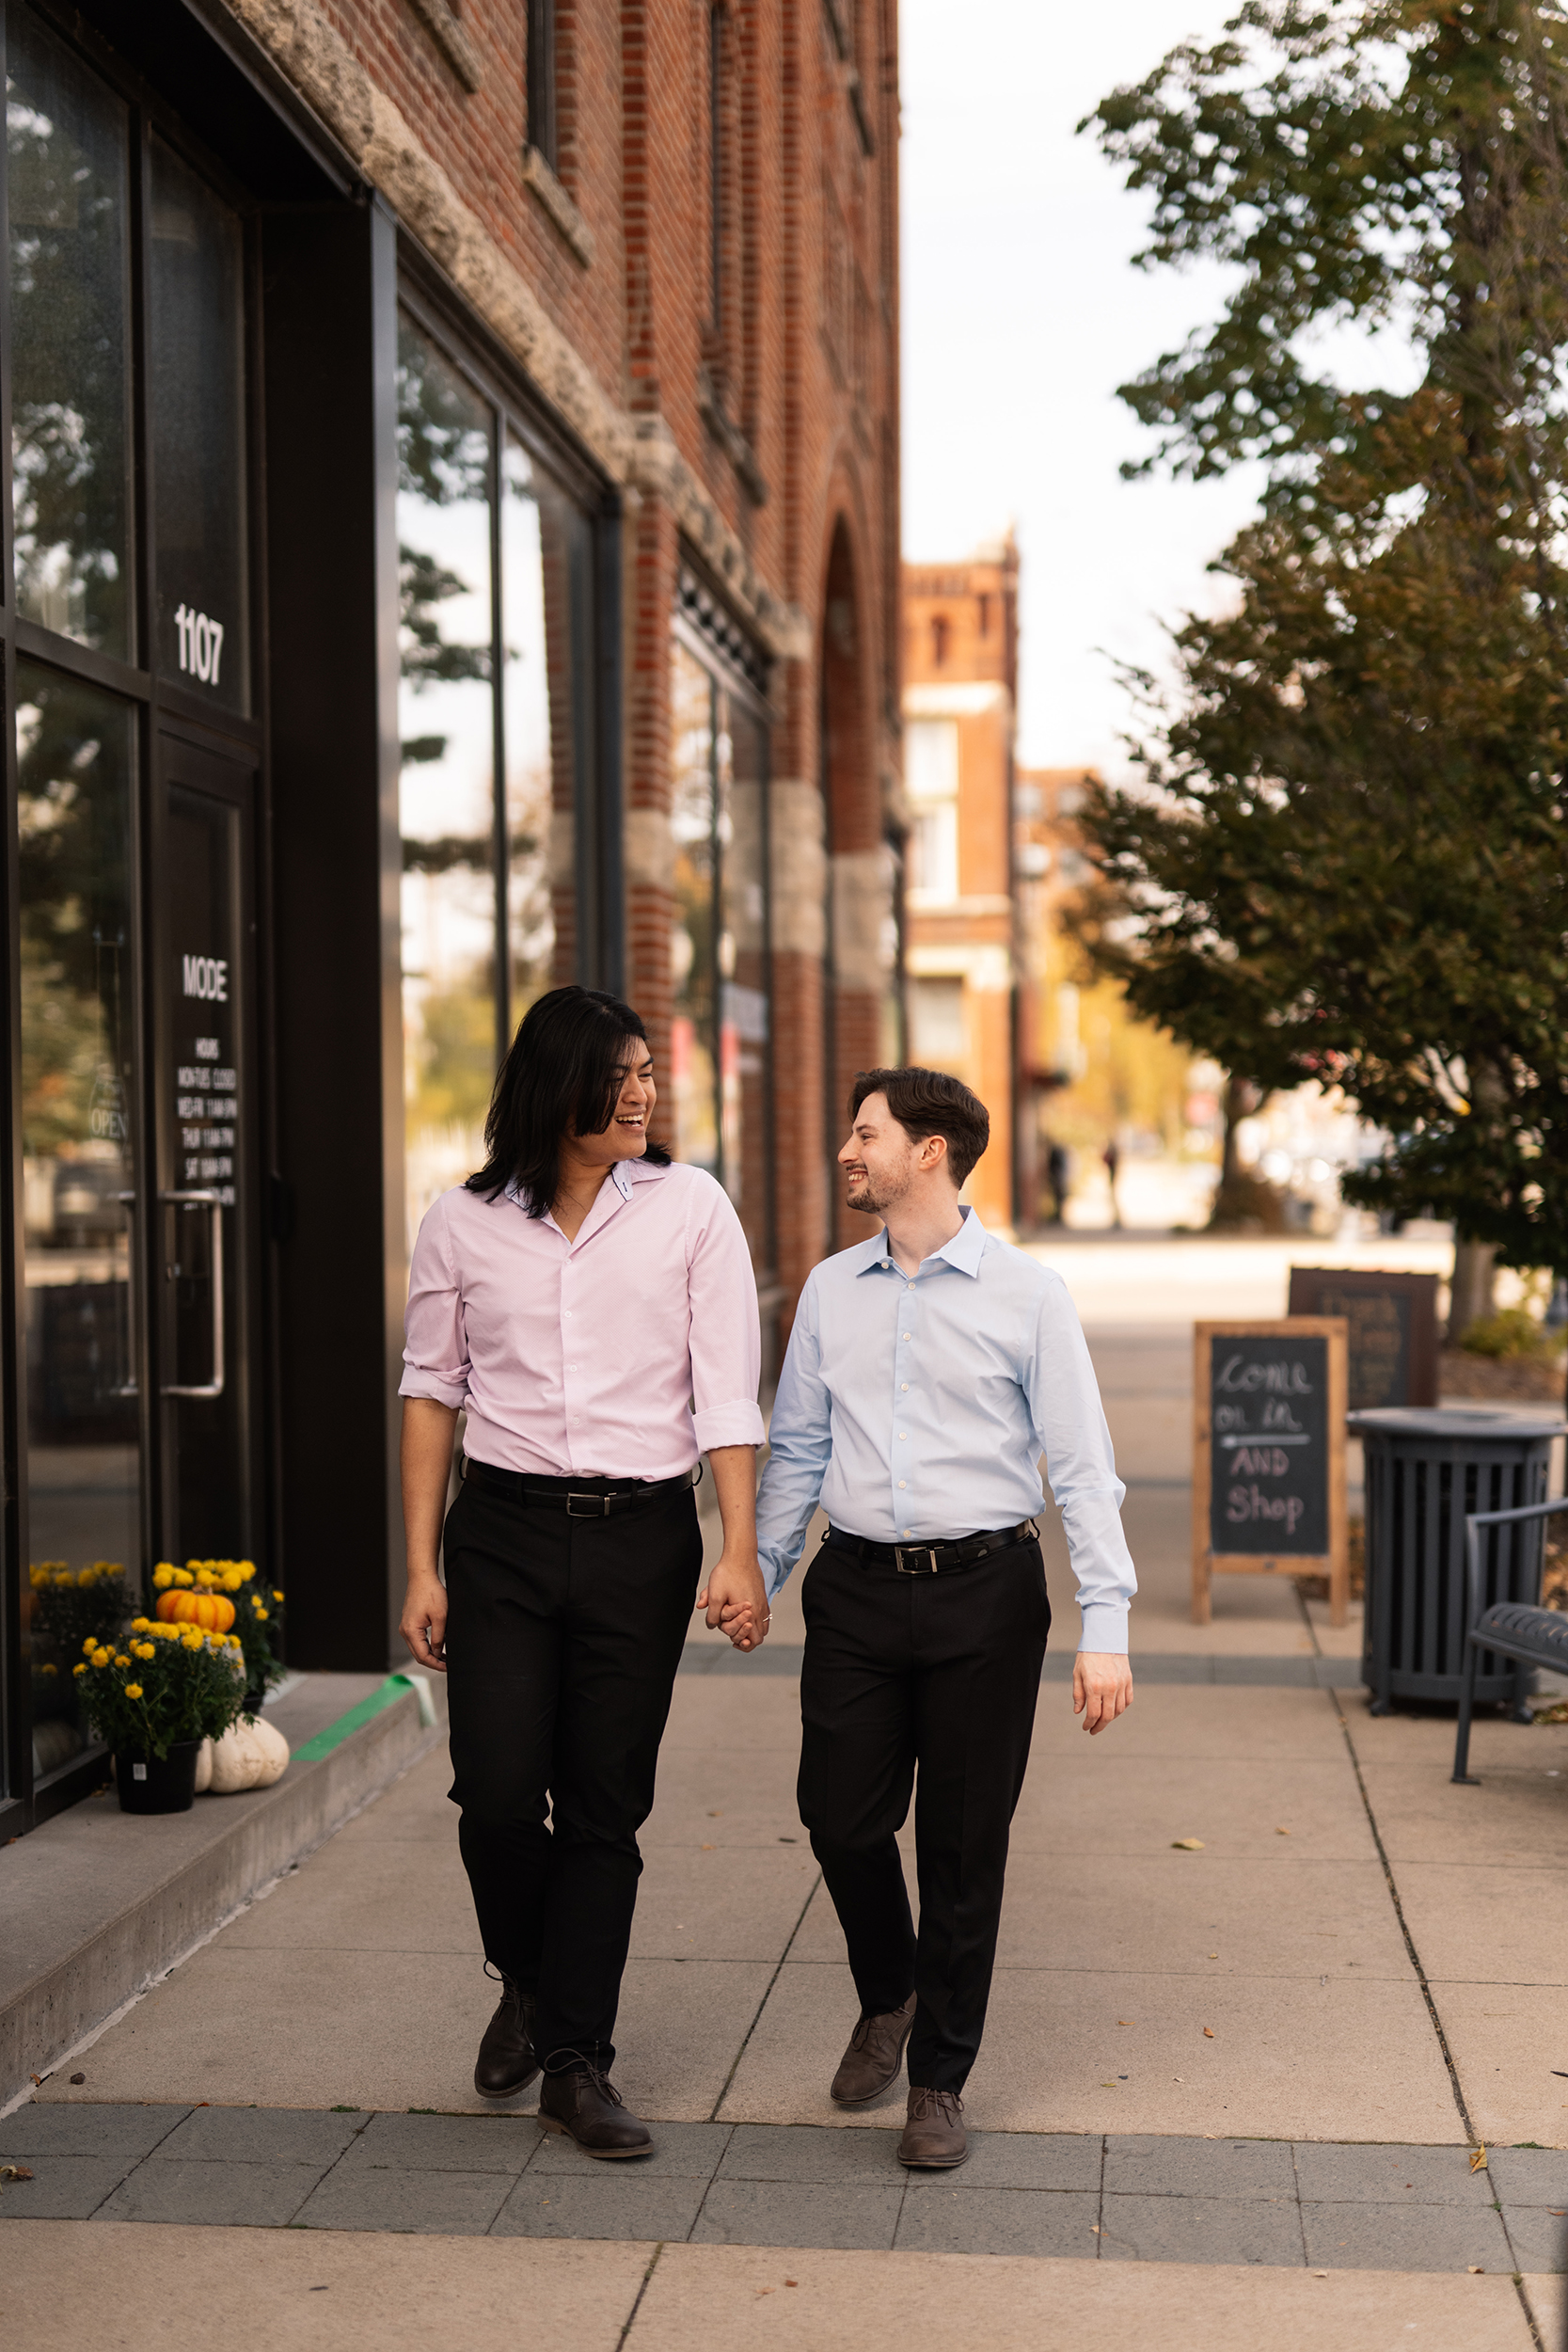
column 1510, row 1629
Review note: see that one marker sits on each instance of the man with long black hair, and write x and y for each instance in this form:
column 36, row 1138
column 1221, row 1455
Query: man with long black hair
column 591, row 1305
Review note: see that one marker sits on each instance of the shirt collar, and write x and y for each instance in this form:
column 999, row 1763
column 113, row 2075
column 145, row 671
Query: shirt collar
column 623, row 1175
column 964, row 1251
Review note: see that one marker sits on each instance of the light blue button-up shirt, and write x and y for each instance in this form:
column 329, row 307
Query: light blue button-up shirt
column 919, row 1410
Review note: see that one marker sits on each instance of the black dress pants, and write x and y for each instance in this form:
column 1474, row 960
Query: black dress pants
column 934, row 1676
column 563, row 1640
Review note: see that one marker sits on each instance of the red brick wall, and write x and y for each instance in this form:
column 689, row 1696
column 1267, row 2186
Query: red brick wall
column 805, row 357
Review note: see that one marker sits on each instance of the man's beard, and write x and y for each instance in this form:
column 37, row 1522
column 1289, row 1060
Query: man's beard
column 864, row 1197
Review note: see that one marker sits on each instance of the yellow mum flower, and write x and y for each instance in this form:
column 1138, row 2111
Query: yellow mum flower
column 80, row 1669
column 90, row 1644
column 132, row 1689
column 49, row 1670
column 184, row 1576
column 163, row 1576
column 101, row 1656
column 192, row 1641
column 277, row 1594
column 38, row 1579
column 145, row 1649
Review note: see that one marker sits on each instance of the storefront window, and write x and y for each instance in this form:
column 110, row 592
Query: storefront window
column 197, row 413
column 536, row 681
column 68, row 163
column 693, row 1027
column 718, row 1031
column 79, row 1149
column 448, row 796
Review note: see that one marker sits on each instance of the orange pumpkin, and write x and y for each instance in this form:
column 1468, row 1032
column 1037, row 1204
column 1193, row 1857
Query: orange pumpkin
column 213, row 1611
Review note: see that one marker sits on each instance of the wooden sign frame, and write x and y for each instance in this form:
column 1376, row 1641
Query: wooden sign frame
column 1334, row 1563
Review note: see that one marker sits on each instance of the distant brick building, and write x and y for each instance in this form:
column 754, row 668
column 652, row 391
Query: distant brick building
column 962, row 943
column 473, row 561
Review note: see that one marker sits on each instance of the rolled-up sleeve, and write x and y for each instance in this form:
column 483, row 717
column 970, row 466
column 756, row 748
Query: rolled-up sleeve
column 436, row 1349
column 1069, row 1424
column 726, row 1329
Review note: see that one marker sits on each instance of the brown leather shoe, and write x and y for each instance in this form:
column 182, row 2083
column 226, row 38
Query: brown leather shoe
column 934, row 2137
column 506, row 2063
column 586, row 2106
column 875, row 2054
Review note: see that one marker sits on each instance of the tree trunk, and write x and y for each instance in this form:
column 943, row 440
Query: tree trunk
column 1470, row 1299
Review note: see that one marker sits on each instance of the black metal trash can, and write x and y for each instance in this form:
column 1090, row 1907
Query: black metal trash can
column 1427, row 1468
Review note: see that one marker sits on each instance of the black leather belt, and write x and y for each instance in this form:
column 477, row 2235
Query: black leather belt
column 583, row 1497
column 960, row 1551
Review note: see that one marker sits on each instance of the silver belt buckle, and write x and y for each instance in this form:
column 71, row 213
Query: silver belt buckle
column 594, row 1506
column 916, row 1552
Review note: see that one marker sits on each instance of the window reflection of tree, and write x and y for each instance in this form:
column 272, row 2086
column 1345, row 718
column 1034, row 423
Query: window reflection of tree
column 444, row 458
column 78, row 1090
column 693, row 1040
column 67, row 157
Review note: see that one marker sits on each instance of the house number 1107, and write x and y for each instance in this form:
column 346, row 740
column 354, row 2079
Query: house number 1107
column 201, row 644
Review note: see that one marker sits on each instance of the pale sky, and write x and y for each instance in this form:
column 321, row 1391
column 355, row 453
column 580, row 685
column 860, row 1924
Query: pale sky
column 1021, row 317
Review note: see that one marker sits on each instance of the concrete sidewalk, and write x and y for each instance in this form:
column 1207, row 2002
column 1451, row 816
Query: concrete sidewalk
column 1224, row 2094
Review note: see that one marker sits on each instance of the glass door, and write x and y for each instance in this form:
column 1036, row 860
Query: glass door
column 203, row 1246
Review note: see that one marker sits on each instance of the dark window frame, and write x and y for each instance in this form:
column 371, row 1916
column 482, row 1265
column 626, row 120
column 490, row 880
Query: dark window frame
column 540, row 61
column 158, row 706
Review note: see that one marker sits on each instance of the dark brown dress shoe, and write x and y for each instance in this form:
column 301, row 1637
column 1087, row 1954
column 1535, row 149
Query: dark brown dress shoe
column 934, row 2137
column 587, row 2107
column 875, row 2054
column 506, row 2063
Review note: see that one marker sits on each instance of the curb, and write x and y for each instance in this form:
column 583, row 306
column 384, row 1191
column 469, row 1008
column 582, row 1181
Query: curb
column 116, row 1957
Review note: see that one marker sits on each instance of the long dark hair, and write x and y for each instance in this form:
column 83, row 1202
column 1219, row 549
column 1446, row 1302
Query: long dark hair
column 562, row 1074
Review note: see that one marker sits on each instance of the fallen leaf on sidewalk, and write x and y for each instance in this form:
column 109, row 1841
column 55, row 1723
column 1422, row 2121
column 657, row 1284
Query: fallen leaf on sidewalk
column 1127, row 2021
column 709, row 1850
column 1282, row 1832
column 14, row 2172
column 1475, row 2270
column 1477, row 2160
column 792, row 2282
column 1208, row 2033
column 1107, row 2085
column 718, row 1814
column 1187, row 1845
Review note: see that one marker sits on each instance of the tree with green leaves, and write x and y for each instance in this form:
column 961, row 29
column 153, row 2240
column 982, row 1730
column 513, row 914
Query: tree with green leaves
column 1345, row 858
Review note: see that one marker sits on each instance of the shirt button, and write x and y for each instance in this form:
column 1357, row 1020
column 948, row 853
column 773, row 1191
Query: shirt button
column 904, row 1335
column 909, row 1530
column 903, row 1384
column 902, row 1439
column 900, row 1481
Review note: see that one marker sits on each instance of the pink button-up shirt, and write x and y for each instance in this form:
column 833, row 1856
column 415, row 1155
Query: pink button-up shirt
column 624, row 1353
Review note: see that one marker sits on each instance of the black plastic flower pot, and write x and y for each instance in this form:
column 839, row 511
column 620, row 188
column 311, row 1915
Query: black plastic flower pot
column 153, row 1784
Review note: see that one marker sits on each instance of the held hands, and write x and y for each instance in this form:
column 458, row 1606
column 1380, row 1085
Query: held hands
column 424, row 1623
column 735, row 1599
column 1101, row 1688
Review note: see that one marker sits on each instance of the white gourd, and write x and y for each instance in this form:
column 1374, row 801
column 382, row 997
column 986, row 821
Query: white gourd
column 237, row 1761
column 275, row 1752
column 204, row 1767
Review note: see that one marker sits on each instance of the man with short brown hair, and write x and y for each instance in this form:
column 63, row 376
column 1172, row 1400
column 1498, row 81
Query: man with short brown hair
column 927, row 1371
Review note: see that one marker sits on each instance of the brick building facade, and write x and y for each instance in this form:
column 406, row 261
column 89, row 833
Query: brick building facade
column 472, row 561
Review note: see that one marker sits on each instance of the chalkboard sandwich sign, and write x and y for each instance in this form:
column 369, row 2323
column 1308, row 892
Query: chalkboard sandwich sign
column 1269, row 1404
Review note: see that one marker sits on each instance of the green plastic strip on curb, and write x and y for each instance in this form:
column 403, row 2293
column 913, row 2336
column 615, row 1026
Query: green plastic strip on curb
column 395, row 1686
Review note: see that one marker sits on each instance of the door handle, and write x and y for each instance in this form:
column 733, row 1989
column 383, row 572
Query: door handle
column 212, row 1202
column 131, row 1387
